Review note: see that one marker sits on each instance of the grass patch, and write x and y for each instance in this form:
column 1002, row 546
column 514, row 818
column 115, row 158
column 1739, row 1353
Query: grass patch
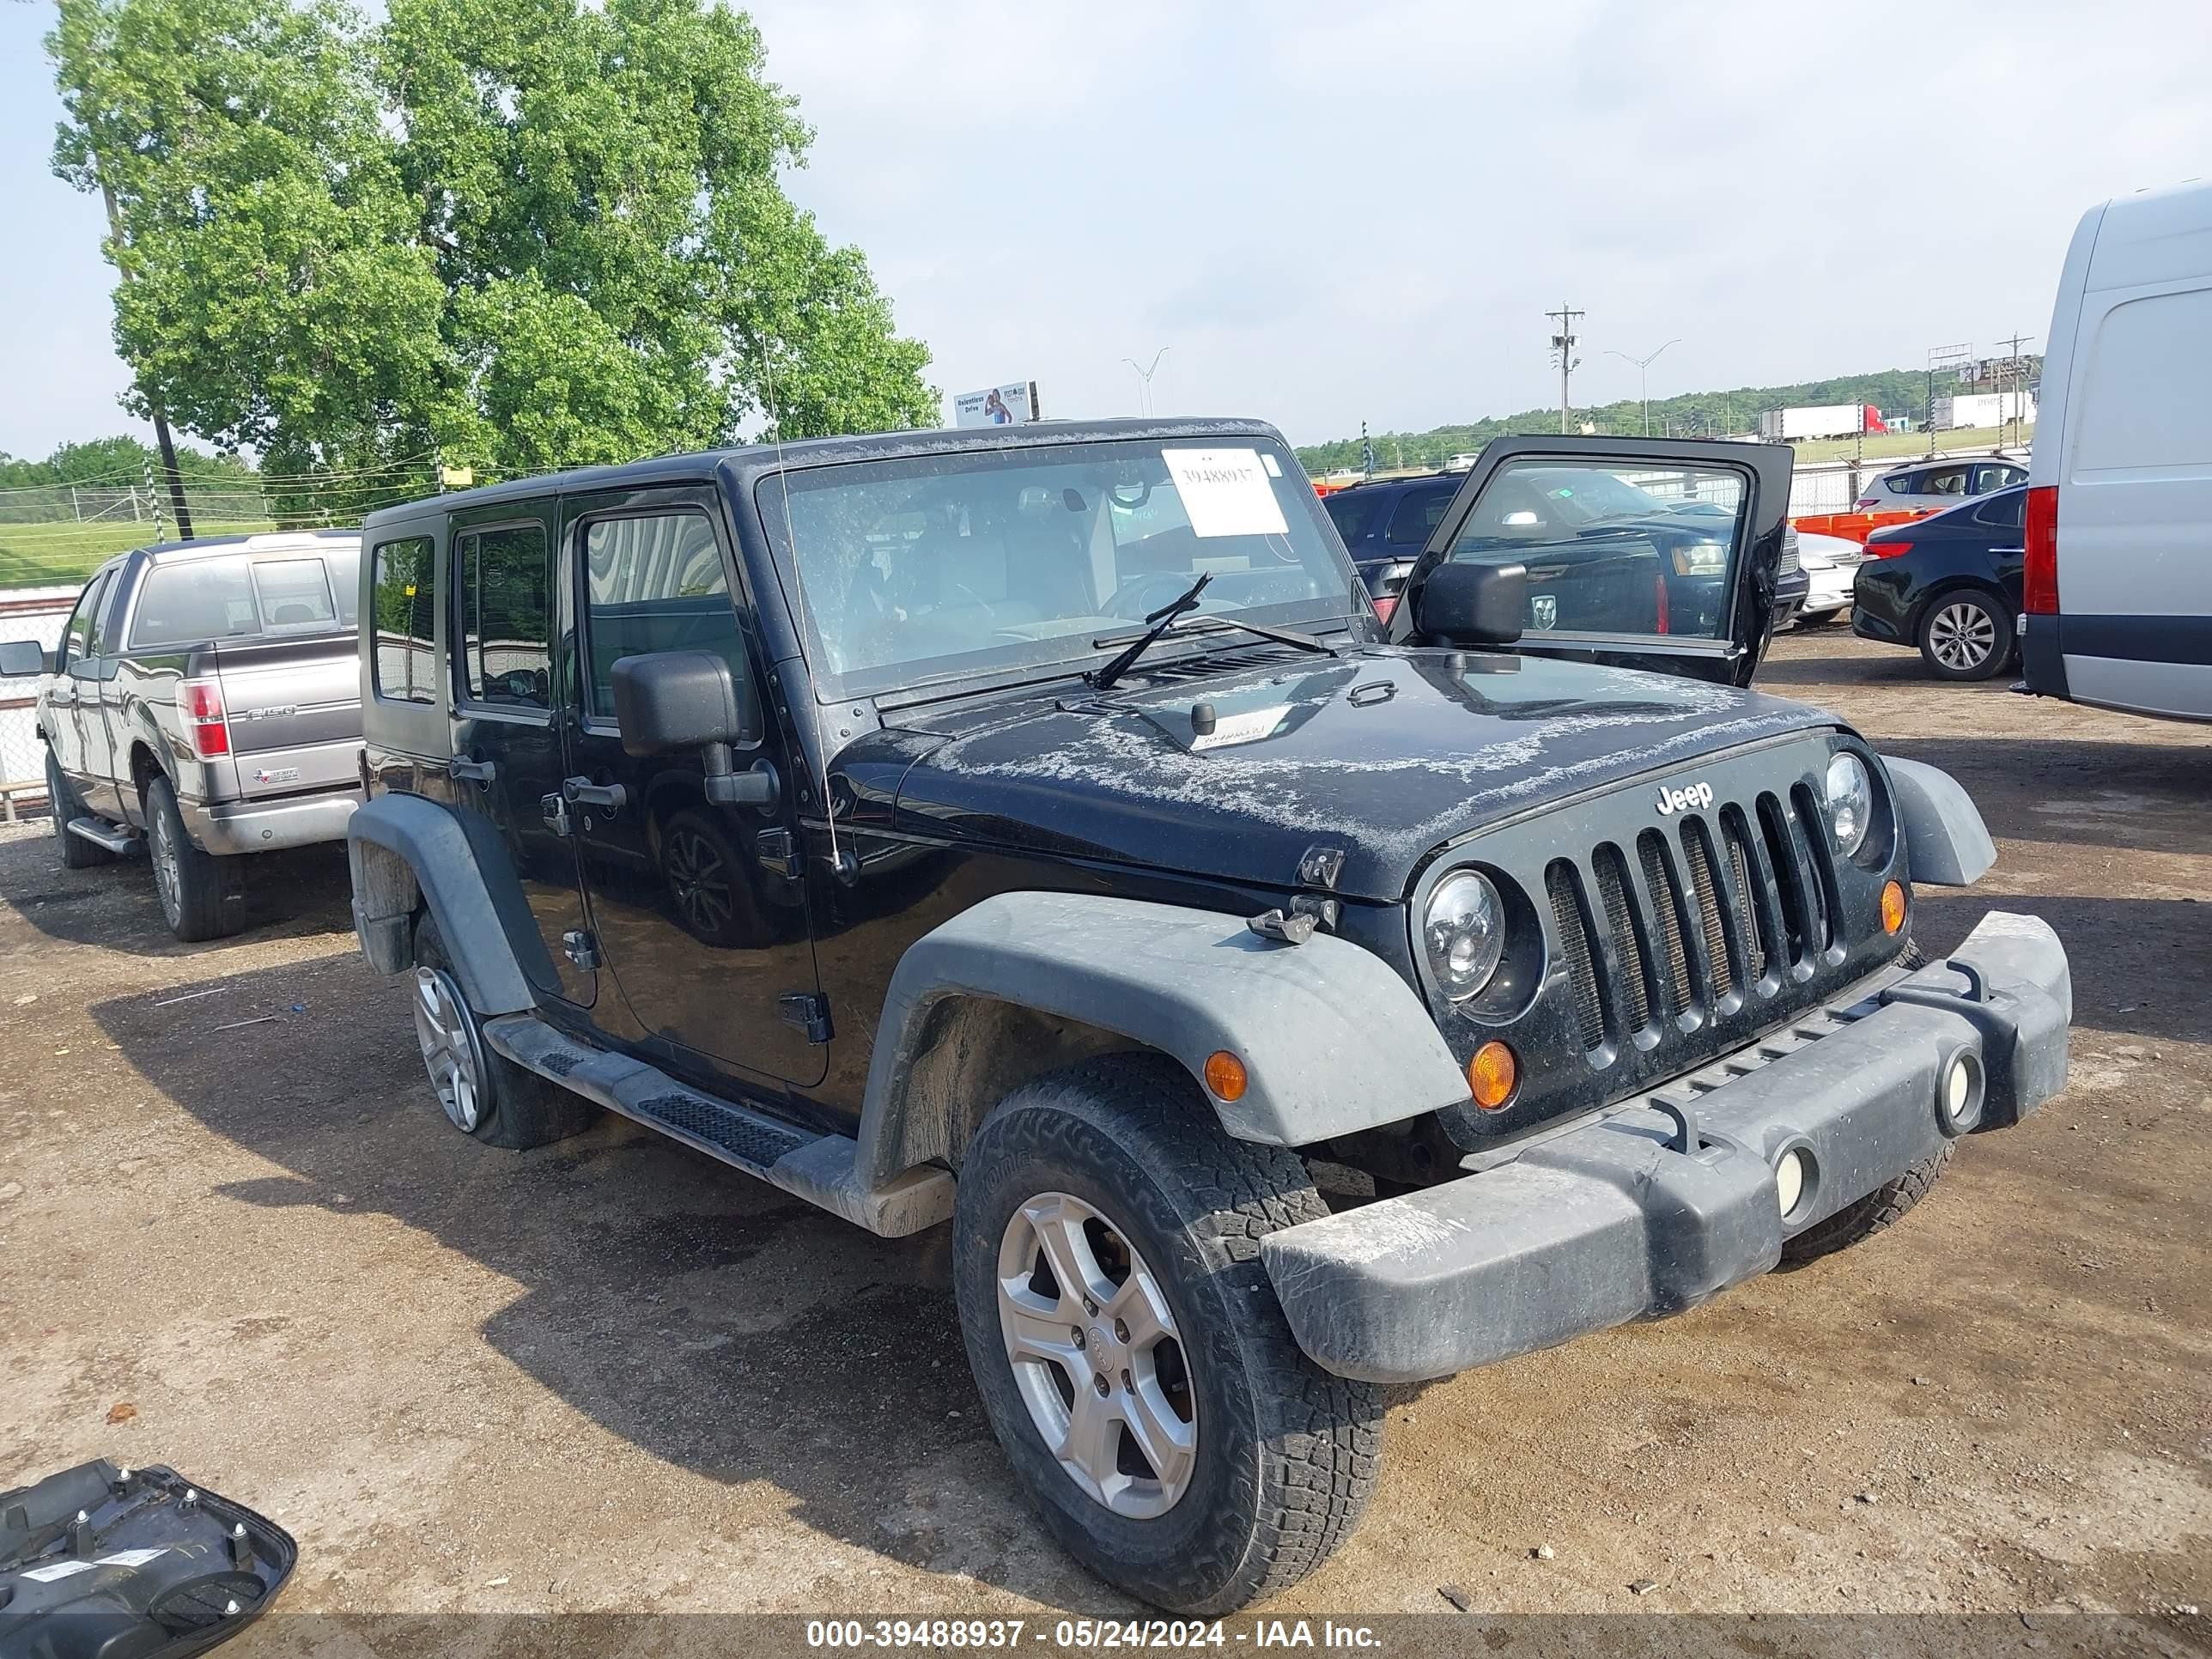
column 54, row 555
column 1909, row 446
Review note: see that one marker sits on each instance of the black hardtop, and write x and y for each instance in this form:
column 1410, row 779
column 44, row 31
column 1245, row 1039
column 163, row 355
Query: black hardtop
column 741, row 467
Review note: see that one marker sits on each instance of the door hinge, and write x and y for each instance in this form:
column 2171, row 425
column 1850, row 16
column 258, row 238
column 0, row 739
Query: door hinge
column 779, row 852
column 810, row 1012
column 554, row 812
column 581, row 949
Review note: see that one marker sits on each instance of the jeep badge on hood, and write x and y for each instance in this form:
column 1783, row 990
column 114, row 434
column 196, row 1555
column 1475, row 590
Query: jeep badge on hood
column 1681, row 800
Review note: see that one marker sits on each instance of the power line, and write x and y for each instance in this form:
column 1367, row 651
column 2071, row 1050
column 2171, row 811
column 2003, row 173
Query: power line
column 1563, row 350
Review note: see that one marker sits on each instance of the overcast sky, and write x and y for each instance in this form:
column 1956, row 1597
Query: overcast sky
column 1331, row 214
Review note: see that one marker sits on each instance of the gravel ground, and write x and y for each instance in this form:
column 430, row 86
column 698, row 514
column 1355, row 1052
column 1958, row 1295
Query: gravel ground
column 610, row 1376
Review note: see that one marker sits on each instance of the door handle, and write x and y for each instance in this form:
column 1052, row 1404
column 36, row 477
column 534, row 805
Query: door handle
column 582, row 792
column 472, row 771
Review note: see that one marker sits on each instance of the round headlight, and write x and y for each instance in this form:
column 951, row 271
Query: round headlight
column 1850, row 794
column 1464, row 933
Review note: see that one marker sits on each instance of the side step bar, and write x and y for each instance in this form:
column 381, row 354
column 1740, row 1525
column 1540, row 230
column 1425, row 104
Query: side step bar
column 820, row 1168
column 127, row 842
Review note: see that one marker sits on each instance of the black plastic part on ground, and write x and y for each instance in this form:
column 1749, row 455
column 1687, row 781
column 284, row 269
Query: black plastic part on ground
column 103, row 1563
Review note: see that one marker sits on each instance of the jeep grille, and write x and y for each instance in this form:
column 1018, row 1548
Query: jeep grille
column 1739, row 898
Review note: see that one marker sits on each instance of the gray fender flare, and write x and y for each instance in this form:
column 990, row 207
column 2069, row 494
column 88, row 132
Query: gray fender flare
column 405, row 850
column 1946, row 843
column 1332, row 1039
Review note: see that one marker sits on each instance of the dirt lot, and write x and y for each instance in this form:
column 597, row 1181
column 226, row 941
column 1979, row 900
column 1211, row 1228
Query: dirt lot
column 612, row 1376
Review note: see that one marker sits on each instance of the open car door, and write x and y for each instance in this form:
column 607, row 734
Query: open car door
column 1658, row 554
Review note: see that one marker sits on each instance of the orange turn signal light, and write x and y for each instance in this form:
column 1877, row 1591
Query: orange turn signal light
column 1225, row 1075
column 1491, row 1075
column 1893, row 905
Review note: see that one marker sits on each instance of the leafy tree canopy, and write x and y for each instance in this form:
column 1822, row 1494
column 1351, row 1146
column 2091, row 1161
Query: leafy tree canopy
column 117, row 462
column 518, row 234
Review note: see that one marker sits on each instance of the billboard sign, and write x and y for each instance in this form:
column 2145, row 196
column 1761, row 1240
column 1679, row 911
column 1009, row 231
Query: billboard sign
column 998, row 405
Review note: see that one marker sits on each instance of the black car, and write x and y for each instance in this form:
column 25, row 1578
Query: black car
column 1623, row 549
column 1032, row 832
column 1949, row 584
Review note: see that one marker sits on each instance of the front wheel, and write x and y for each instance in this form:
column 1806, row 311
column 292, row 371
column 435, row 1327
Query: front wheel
column 77, row 853
column 1967, row 635
column 1131, row 1357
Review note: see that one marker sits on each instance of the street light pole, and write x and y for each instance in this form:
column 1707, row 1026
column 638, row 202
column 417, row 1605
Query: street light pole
column 1643, row 383
column 1145, row 378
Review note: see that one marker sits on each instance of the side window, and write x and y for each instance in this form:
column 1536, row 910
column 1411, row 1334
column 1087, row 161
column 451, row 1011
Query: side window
column 1349, row 514
column 1417, row 514
column 654, row 583
column 191, row 604
column 506, row 621
column 294, row 593
column 1901, row 483
column 1613, row 547
column 1995, row 475
column 76, row 633
column 1944, row 481
column 2005, row 512
column 405, row 668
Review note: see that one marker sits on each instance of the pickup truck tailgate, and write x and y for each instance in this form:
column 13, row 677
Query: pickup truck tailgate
column 294, row 709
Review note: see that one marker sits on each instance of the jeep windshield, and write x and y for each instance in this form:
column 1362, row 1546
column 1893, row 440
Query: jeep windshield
column 978, row 563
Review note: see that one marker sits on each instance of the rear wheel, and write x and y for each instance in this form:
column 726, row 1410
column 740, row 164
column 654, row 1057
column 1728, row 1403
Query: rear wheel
column 1131, row 1357
column 482, row 1092
column 1966, row 634
column 192, row 884
column 77, row 853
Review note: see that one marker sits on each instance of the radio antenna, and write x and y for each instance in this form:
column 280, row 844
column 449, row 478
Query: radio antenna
column 798, row 582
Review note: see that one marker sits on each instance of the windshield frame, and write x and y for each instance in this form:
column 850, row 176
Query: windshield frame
column 1058, row 656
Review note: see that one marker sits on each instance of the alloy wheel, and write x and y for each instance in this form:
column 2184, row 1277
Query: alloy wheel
column 449, row 1047
column 1096, row 1355
column 1961, row 636
column 161, row 852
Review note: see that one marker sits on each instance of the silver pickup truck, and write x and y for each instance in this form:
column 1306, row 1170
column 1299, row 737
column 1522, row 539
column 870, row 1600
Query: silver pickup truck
column 204, row 702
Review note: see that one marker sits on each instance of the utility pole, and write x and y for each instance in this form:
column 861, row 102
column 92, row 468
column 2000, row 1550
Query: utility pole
column 169, row 472
column 1366, row 452
column 1563, row 349
column 1941, row 357
column 1145, row 378
column 2016, row 378
column 1643, row 385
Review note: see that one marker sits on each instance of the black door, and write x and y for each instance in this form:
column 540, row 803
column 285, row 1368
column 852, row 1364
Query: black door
column 705, row 935
column 1647, row 554
column 510, row 690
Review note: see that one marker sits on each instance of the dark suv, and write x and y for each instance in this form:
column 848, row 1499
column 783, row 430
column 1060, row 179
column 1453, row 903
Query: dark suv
column 1034, row 830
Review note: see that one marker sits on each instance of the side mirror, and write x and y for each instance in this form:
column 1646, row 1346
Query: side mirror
column 22, row 659
column 1473, row 604
column 668, row 702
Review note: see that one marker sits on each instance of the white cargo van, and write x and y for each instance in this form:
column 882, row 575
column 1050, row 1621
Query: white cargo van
column 2118, row 591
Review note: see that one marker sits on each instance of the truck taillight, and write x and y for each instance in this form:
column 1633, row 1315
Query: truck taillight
column 2039, row 580
column 1659, row 622
column 200, row 702
column 1386, row 605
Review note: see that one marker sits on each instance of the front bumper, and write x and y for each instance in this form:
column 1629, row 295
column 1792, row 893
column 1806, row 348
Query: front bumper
column 231, row 827
column 1615, row 1220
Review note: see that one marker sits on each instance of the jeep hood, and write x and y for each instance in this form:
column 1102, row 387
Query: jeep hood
column 1384, row 753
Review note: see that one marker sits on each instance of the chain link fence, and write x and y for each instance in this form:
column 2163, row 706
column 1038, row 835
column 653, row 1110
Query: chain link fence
column 35, row 614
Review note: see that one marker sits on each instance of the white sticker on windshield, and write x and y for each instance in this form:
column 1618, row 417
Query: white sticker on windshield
column 1225, row 492
column 58, row 1570
column 1274, row 467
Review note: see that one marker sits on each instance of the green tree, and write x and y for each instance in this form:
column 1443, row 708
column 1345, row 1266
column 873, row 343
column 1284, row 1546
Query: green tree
column 518, row 234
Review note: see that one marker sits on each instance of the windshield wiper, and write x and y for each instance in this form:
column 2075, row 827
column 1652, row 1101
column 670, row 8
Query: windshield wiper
column 1161, row 620
column 1206, row 625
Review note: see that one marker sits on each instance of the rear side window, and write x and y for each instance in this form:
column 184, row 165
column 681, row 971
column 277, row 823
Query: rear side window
column 294, row 593
column 1349, row 514
column 1419, row 513
column 2008, row 510
column 507, row 634
column 189, row 604
column 406, row 608
column 655, row 584
column 1943, row 481
column 1901, row 483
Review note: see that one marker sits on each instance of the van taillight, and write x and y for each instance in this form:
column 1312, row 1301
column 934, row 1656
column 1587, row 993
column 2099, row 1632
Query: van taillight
column 200, row 702
column 2040, row 574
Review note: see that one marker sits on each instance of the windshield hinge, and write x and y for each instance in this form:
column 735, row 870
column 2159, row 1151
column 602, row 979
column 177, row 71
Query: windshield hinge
column 810, row 1012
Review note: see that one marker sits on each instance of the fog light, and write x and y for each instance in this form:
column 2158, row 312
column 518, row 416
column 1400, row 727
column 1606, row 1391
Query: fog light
column 1893, row 905
column 1962, row 1078
column 1790, row 1172
column 1225, row 1075
column 1491, row 1074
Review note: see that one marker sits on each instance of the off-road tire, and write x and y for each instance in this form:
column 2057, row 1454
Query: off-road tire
column 1286, row 1454
column 196, row 900
column 521, row 1109
column 77, row 853
column 1885, row 1204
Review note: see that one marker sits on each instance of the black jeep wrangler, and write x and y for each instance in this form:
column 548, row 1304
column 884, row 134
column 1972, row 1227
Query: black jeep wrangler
column 1034, row 830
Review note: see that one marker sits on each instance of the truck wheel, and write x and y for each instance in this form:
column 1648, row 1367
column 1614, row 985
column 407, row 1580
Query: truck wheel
column 1131, row 1354
column 190, row 883
column 1966, row 634
column 483, row 1093
column 77, row 853
column 1870, row 1215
